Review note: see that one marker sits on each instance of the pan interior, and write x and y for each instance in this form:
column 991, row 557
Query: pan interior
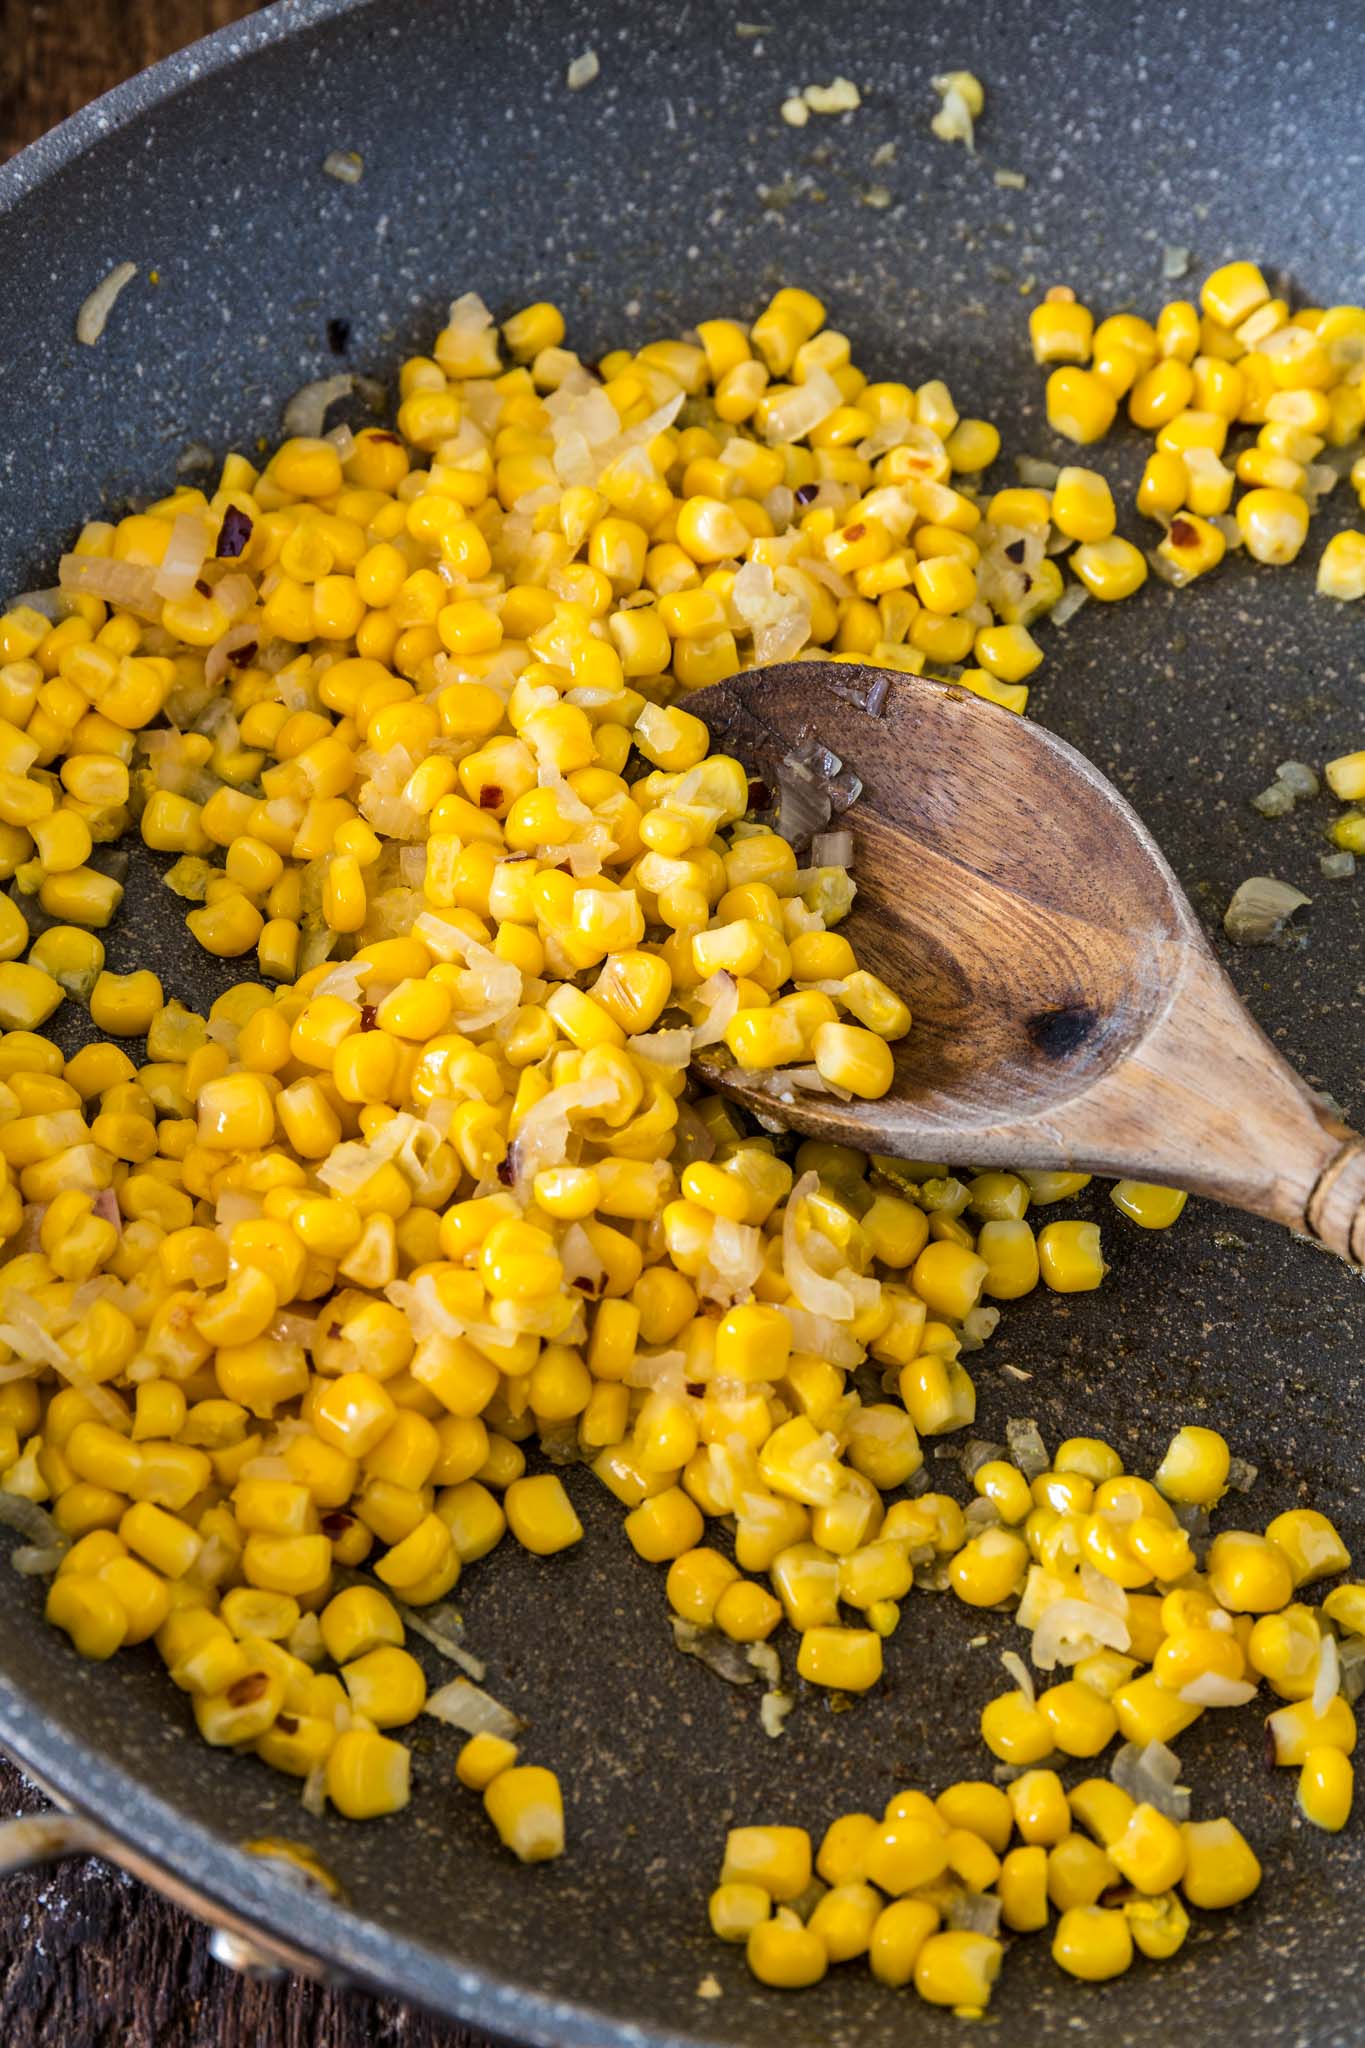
column 667, row 191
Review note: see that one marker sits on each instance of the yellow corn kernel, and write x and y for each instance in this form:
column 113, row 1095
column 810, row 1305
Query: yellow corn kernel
column 1110, row 569
column 1093, row 1943
column 1069, row 1257
column 1249, row 1574
column 89, row 1612
column 1061, row 331
column 844, row 1659
column 1150, row 1852
column 1013, row 1729
column 1326, row 1788
column 1296, row 1729
column 1220, row 1868
column 1080, row 405
column 958, row 1968
column 1273, row 524
column 367, row 1774
column 541, row 1515
column 785, row 1955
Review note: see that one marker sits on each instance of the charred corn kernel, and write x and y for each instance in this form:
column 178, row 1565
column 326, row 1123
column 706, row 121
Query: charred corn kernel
column 1110, row 569
column 1061, row 331
column 1013, row 1729
column 1220, row 1868
column 1190, row 548
column 541, row 1515
column 367, row 1774
column 1249, row 1574
column 1080, row 405
column 1093, row 1943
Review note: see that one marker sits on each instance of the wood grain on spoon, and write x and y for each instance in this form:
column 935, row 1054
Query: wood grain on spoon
column 1068, row 1011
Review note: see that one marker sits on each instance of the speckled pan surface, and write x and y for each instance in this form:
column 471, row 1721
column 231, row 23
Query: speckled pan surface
column 666, row 191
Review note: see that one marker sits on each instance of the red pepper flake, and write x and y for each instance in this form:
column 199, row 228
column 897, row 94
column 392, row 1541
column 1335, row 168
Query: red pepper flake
column 204, row 589
column 1015, row 550
column 852, row 533
column 378, row 434
column 233, row 534
column 490, row 796
column 506, row 1171
column 760, row 796
column 243, row 656
column 336, row 1525
column 286, row 1724
column 248, row 1690
column 369, row 1017
column 1183, row 535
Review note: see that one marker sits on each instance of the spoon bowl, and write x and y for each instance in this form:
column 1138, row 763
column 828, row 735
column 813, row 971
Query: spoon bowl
column 1068, row 1011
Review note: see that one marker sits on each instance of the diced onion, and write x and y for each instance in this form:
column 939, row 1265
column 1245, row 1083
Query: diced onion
column 129, row 585
column 1327, row 1681
column 1150, row 1776
column 306, row 412
column 186, row 552
column 1026, row 1445
column 1019, row 1672
column 1260, row 910
column 461, row 1704
column 95, row 311
column 32, row 1522
column 1212, row 1689
column 718, row 998
column 1071, row 1629
column 832, row 850
column 347, row 166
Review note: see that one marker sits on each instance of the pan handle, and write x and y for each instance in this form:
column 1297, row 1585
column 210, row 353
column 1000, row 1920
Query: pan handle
column 36, row 1838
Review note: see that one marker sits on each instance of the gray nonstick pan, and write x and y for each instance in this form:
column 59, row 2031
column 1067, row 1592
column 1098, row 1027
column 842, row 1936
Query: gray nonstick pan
column 667, row 191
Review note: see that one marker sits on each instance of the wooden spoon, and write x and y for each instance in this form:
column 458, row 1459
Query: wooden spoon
column 1068, row 1011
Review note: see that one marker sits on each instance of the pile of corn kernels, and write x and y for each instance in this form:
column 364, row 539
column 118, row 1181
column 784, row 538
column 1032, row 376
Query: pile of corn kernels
column 285, row 1298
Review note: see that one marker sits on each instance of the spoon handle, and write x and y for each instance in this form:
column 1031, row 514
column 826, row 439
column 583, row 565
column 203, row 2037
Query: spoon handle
column 1206, row 1102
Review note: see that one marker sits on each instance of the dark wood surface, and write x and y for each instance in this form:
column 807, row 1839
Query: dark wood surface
column 88, row 1957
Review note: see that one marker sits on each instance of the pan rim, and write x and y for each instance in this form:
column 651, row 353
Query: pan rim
column 41, row 160
column 210, row 1872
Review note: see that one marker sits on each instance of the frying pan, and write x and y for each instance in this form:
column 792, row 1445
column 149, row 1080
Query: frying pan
column 667, row 191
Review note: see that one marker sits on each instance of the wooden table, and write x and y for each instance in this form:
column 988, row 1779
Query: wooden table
column 89, row 1958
